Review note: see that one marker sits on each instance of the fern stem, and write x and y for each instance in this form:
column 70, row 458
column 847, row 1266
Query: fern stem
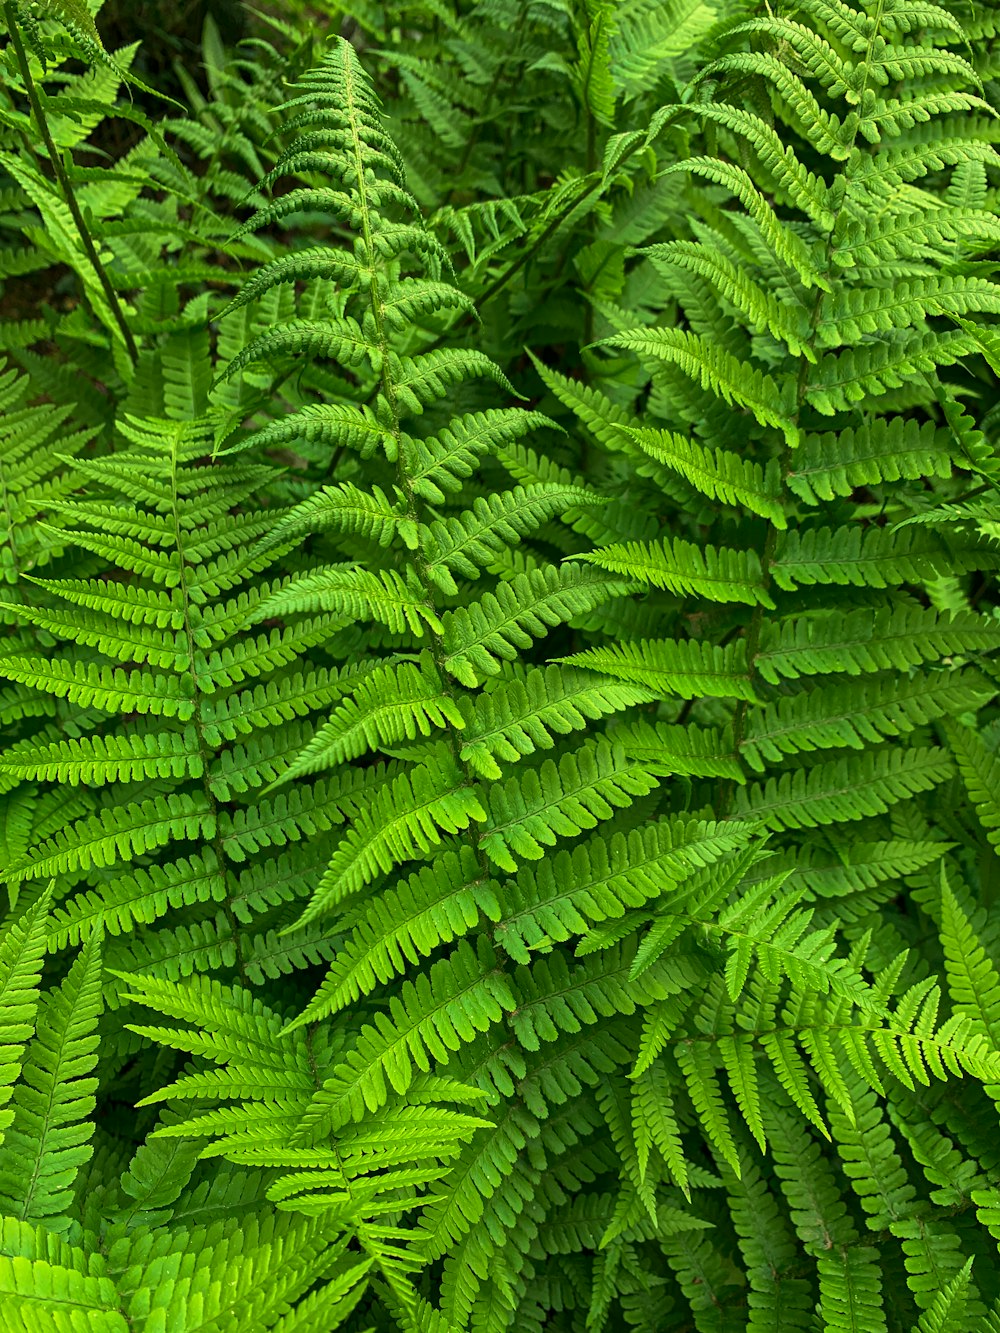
column 588, row 313
column 515, row 267
column 65, row 185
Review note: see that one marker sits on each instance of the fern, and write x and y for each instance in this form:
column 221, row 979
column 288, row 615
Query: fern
column 794, row 339
column 498, row 787
column 46, row 1144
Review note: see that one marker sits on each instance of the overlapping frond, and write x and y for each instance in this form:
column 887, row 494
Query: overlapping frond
column 475, row 867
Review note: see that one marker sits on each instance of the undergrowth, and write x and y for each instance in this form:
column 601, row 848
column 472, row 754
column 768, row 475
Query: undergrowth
column 500, row 784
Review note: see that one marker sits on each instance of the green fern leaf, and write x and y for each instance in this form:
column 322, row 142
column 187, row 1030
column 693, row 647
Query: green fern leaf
column 98, row 760
column 716, row 370
column 586, row 786
column 972, row 977
column 479, row 636
column 719, row 474
column 107, row 688
column 687, row 668
column 844, row 789
column 431, row 1018
column 102, row 839
column 22, row 948
column 518, row 715
column 48, row 1141
column 390, row 704
column 718, row 574
column 404, row 819
column 980, row 772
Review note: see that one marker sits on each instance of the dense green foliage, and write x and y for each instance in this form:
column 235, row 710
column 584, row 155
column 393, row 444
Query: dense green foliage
column 500, row 783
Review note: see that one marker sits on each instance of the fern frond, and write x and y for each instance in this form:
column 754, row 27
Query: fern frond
column 431, row 1018
column 836, row 463
column 715, row 370
column 405, row 818
column 875, row 559
column 471, row 540
column 433, row 906
column 517, row 715
column 118, row 832
column 972, row 976
column 894, row 638
column 980, row 772
column 844, row 789
column 389, row 704
column 98, row 760
column 781, row 239
column 718, row 574
column 438, row 465
column 603, row 879
column 586, row 786
column 684, row 667
column 48, row 1141
column 479, row 636
column 863, row 713
column 108, row 688
column 22, row 949
column 719, row 474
